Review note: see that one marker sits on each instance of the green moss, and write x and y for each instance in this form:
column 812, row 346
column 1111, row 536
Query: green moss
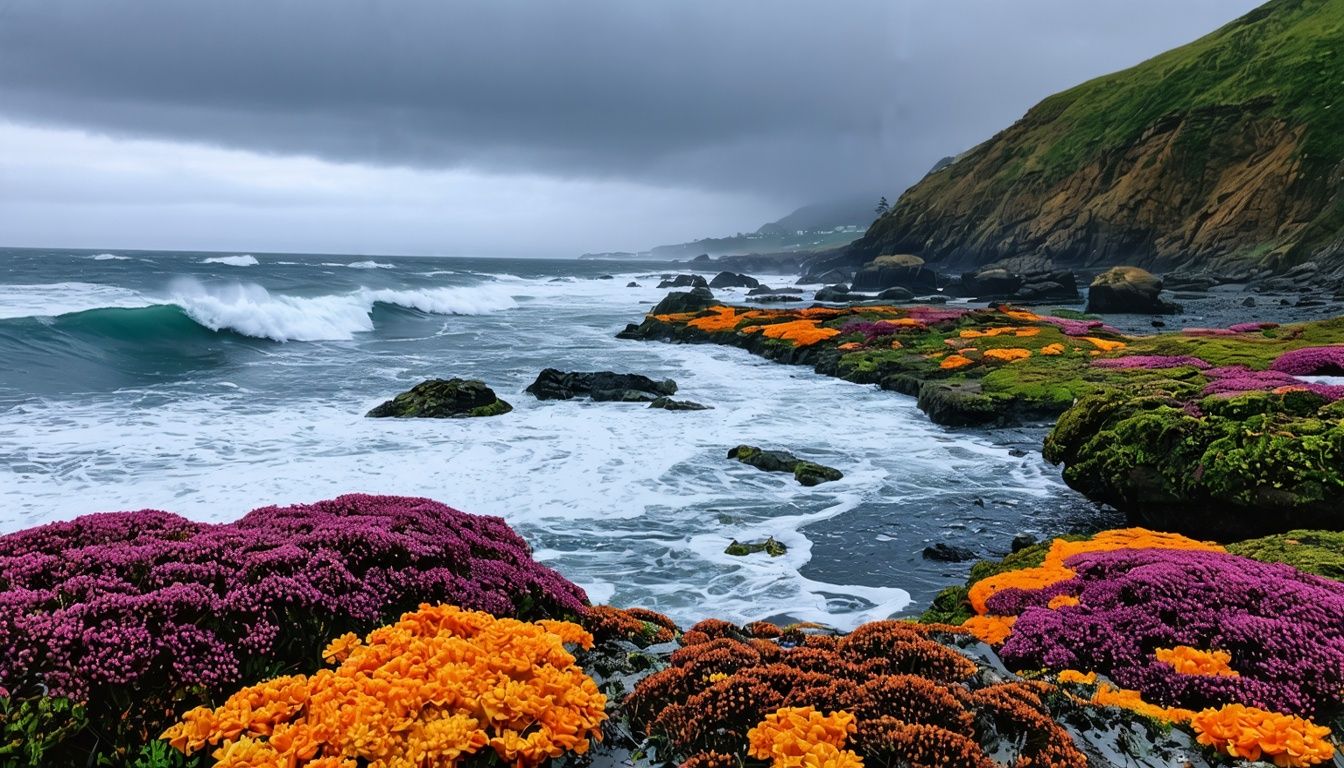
column 1318, row 552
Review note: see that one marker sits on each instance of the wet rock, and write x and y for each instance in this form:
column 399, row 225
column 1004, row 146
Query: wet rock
column 733, row 280
column 678, row 302
column 770, row 546
column 897, row 294
column 838, row 292
column 632, row 284
column 684, row 281
column 765, row 290
column 903, row 270
column 1128, row 290
column 553, row 384
column 773, row 298
column 947, row 553
column 1249, row 301
column 823, row 278
column 667, row 403
column 606, row 277
column 443, row 399
column 805, row 472
column 1023, row 540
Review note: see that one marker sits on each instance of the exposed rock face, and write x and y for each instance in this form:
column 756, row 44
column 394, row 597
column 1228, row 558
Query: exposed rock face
column 443, row 399
column 684, row 281
column 1128, row 289
column 1178, row 162
column 901, row 270
column 733, row 280
column 770, row 547
column 805, row 472
column 1021, row 279
column 553, row 384
column 693, row 301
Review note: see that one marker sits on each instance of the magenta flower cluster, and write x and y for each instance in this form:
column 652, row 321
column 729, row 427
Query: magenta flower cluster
column 1282, row 627
column 1077, row 327
column 1151, row 362
column 1312, row 361
column 1251, row 327
column 1237, row 379
column 158, row 605
column 875, row 330
column 933, row 315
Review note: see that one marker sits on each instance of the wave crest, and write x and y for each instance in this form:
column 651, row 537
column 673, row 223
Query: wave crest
column 241, row 260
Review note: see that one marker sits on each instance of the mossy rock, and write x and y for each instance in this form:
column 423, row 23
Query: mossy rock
column 805, row 472
column 1318, row 552
column 770, row 547
column 443, row 399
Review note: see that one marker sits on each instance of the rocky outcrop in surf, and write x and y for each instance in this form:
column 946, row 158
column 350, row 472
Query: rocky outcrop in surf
column 443, row 399
column 554, row 384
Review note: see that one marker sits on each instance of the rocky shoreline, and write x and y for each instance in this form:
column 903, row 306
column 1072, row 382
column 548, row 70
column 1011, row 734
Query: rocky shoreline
column 1201, row 431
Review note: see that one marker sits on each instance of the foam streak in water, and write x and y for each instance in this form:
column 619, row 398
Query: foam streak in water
column 243, row 260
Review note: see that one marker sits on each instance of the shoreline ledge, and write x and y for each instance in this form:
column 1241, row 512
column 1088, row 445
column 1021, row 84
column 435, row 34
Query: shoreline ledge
column 1220, row 433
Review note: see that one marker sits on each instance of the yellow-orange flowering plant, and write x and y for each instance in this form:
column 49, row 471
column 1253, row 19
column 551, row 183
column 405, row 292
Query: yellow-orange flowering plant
column 440, row 684
column 794, row 737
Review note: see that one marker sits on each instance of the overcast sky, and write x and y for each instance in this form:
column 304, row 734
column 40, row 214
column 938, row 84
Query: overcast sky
column 504, row 127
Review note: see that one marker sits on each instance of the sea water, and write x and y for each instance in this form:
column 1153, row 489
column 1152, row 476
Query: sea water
column 208, row 384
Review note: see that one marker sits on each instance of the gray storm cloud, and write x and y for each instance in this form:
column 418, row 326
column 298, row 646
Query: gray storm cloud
column 792, row 101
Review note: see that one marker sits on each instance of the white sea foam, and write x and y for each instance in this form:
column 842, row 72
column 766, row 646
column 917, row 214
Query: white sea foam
column 636, row 504
column 370, row 265
column 52, row 299
column 241, row 260
column 109, row 257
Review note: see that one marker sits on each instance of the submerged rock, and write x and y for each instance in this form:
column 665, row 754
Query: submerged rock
column 554, row 384
column 805, row 472
column 1128, row 290
column 443, row 399
column 770, row 547
column 947, row 553
column 668, row 404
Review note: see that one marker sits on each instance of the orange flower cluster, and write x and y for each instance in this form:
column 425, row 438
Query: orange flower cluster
column 1192, row 661
column 1007, row 354
column 1108, row 695
column 1105, row 345
column 793, row 737
column 803, row 333
column 952, row 362
column 440, row 684
column 637, row 625
column 1074, row 676
column 909, row 697
column 1061, row 601
column 1053, row 349
column 719, row 319
column 1003, row 330
column 1254, row 734
column 1020, row 314
column 991, row 629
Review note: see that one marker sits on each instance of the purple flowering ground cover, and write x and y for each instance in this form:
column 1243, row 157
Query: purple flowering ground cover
column 146, row 614
column 1312, row 361
column 1283, row 628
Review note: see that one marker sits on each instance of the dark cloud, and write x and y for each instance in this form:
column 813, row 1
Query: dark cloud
column 794, row 101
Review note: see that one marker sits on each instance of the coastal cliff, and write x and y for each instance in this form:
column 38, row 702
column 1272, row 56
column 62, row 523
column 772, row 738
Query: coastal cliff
column 1226, row 154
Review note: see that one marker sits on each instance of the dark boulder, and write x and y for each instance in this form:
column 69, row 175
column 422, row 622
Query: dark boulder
column 765, row 290
column 1128, row 290
column 897, row 294
column 1023, row 540
column 805, row 472
column 443, row 399
column 702, row 259
column 668, row 404
column 733, row 280
column 901, row 270
column 946, row 553
column 632, row 284
column 838, row 292
column 553, row 384
column 680, row 301
column 775, row 298
column 1023, row 278
column 684, row 281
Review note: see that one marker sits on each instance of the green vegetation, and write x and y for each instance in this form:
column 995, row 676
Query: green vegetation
column 1318, row 552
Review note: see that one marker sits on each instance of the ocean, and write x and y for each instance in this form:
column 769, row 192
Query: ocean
column 207, row 384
